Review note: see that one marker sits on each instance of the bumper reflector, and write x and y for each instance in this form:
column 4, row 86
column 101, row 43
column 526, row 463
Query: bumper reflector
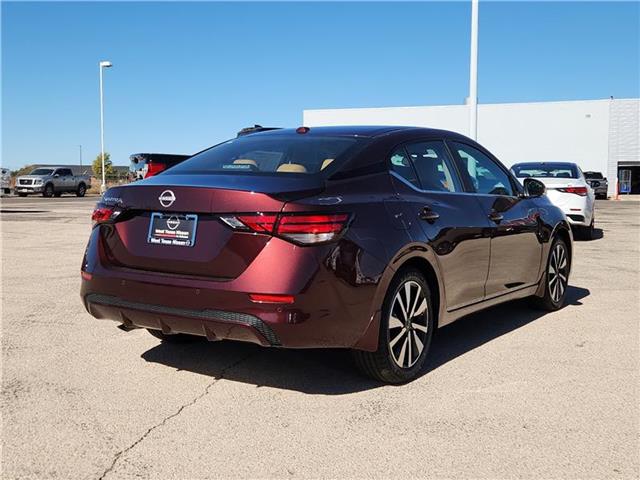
column 86, row 275
column 263, row 298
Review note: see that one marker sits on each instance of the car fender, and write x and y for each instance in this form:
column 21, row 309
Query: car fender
column 414, row 252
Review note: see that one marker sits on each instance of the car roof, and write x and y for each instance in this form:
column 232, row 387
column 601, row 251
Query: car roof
column 359, row 131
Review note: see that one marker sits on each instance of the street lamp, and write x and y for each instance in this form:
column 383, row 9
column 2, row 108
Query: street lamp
column 473, row 73
column 103, row 64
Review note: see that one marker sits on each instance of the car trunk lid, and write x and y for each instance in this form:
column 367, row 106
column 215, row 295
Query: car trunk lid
column 217, row 251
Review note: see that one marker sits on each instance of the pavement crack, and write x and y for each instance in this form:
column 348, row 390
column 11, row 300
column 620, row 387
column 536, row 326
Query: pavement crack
column 169, row 417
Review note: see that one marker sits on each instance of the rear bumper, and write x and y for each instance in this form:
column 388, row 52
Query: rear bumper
column 213, row 324
column 333, row 307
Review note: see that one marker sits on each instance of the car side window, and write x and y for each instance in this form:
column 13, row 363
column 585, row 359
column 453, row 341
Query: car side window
column 64, row 172
column 485, row 175
column 434, row 166
column 401, row 164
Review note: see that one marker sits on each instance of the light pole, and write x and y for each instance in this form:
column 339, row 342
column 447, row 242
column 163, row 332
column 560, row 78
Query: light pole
column 80, row 148
column 473, row 73
column 103, row 64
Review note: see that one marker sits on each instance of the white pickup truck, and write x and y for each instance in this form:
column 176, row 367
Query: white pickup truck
column 52, row 181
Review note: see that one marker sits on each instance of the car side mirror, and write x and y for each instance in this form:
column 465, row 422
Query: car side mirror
column 56, row 175
column 533, row 188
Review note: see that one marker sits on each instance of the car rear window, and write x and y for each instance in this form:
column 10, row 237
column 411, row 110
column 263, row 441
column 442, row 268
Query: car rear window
column 593, row 175
column 557, row 170
column 270, row 154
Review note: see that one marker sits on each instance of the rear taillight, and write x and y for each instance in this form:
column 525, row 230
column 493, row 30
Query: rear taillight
column 582, row 191
column 311, row 228
column 102, row 214
column 154, row 168
column 299, row 228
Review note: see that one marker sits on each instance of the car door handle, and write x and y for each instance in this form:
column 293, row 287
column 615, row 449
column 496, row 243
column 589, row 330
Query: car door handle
column 429, row 215
column 496, row 217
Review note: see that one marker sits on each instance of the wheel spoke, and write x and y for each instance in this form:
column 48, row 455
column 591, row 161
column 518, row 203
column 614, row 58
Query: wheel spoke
column 397, row 337
column 417, row 326
column 422, row 308
column 415, row 303
column 394, row 322
column 403, row 310
column 564, row 279
column 409, row 350
column 419, row 343
column 403, row 351
column 407, row 298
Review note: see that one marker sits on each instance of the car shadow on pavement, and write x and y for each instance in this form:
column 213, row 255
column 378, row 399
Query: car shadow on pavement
column 331, row 371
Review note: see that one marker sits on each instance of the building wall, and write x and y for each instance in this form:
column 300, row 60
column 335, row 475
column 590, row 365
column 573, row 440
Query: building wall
column 574, row 131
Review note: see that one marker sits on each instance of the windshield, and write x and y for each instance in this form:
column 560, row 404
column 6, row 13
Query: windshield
column 269, row 154
column 554, row 170
column 42, row 171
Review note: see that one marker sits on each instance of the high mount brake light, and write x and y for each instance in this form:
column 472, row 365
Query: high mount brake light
column 582, row 191
column 304, row 229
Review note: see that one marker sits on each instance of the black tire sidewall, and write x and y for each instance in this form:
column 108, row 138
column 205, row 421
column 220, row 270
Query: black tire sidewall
column 48, row 191
column 81, row 190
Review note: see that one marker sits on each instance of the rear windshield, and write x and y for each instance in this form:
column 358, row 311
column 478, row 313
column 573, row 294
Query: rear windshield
column 557, row 170
column 593, row 175
column 275, row 155
column 42, row 171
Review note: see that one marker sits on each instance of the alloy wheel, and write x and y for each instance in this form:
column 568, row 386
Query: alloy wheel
column 408, row 324
column 558, row 271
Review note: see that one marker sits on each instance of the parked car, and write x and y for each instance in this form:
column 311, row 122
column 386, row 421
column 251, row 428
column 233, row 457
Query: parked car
column 5, row 181
column 567, row 188
column 145, row 165
column 52, row 181
column 367, row 238
column 598, row 182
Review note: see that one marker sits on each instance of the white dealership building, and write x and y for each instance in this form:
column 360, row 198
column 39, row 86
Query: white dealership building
column 598, row 135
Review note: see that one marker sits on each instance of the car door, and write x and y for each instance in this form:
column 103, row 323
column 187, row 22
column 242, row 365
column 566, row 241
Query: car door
column 67, row 179
column 516, row 249
column 447, row 218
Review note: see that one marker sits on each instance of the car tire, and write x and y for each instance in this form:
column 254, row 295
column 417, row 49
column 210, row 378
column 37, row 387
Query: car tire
column 587, row 233
column 404, row 338
column 57, row 194
column 82, row 189
column 22, row 195
column 48, row 191
column 556, row 277
column 174, row 337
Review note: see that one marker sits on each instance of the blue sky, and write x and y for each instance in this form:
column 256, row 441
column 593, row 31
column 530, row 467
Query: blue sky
column 187, row 75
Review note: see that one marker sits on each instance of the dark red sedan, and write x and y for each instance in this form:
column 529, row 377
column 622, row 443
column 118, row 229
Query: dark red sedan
column 367, row 238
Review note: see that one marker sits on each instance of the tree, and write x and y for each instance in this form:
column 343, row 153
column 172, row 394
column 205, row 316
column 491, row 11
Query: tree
column 108, row 166
column 26, row 170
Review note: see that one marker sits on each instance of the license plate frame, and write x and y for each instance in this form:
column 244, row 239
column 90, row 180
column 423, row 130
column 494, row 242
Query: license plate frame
column 172, row 229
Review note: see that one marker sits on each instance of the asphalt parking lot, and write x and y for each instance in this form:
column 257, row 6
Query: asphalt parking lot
column 507, row 393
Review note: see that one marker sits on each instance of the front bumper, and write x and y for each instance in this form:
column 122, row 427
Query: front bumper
column 29, row 188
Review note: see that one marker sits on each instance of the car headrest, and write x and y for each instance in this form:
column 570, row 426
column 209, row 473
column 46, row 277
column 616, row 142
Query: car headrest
column 245, row 161
column 292, row 167
column 326, row 162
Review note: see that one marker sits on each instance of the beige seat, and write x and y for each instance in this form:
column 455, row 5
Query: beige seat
column 326, row 162
column 245, row 161
column 292, row 167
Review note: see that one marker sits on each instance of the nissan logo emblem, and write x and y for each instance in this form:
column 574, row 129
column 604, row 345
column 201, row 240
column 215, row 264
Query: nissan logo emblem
column 167, row 198
column 173, row 222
